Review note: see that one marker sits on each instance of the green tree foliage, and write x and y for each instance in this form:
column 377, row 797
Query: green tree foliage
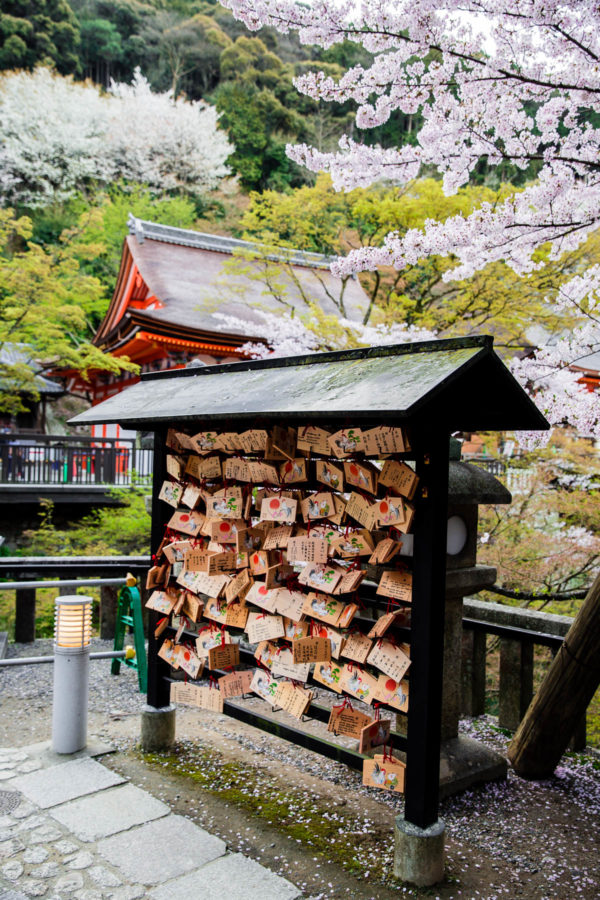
column 110, row 531
column 317, row 218
column 38, row 31
column 101, row 48
column 547, row 540
column 258, row 125
column 45, row 302
column 100, row 231
column 197, row 49
column 111, row 37
column 184, row 54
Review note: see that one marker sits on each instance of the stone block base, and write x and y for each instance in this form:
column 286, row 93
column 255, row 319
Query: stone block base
column 419, row 853
column 465, row 763
column 158, row 728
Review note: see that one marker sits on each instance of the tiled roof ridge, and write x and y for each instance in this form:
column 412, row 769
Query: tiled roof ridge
column 142, row 229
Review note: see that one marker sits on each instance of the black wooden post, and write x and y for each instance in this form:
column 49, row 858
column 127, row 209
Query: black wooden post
column 25, row 616
column 158, row 687
column 109, row 598
column 427, row 634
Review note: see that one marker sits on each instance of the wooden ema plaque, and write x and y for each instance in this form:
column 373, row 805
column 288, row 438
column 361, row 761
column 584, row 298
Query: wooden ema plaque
column 346, row 442
column 329, row 474
column 311, row 649
column 263, row 627
column 223, row 656
column 359, row 683
column 307, row 549
column 237, row 614
column 347, row 721
column 400, row 478
column 284, row 666
column 375, row 733
column 196, row 695
column 264, row 685
column 357, row 647
column 393, row 693
column 389, row 658
column 236, row 684
column 396, row 584
column 329, row 674
column 384, row 772
column 171, row 492
column 278, row 509
column 313, row 440
column 294, row 700
column 162, row 602
column 209, row 638
column 186, row 521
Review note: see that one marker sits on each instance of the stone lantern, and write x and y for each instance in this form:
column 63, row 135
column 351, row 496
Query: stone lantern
column 464, row 761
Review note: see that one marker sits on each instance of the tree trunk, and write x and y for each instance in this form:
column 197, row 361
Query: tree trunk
column 566, row 692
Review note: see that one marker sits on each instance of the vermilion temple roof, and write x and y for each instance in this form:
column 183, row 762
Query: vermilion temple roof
column 174, row 282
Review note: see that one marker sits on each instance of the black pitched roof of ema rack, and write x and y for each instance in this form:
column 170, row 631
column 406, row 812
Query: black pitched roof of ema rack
column 457, row 384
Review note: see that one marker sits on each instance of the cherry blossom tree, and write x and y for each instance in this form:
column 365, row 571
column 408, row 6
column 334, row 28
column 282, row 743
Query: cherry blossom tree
column 164, row 142
column 314, row 332
column 500, row 81
column 59, row 136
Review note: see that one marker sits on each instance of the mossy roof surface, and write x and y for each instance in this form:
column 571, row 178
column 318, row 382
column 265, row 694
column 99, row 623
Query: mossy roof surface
column 455, row 383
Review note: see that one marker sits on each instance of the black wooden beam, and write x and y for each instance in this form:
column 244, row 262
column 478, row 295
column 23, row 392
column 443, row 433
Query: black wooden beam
column 158, row 669
column 427, row 627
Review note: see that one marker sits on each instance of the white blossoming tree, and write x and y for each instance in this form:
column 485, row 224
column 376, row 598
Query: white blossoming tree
column 500, row 81
column 51, row 137
column 165, row 143
column 59, row 136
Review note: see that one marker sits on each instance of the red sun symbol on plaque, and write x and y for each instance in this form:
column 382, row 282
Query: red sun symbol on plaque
column 390, row 685
column 262, row 590
column 322, row 633
column 353, row 470
column 256, row 559
column 184, row 517
column 274, row 503
column 288, row 467
column 186, row 655
column 383, row 507
column 224, row 527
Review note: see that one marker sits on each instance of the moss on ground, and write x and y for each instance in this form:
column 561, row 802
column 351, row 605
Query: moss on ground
column 324, row 830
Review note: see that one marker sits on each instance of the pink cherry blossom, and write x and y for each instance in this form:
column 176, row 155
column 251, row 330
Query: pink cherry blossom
column 509, row 81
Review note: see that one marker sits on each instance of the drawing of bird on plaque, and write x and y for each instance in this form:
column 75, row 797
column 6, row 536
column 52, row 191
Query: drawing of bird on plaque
column 318, row 509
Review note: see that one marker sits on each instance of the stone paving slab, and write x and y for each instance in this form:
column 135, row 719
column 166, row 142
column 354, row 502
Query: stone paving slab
column 118, row 842
column 231, row 877
column 161, row 850
column 66, row 781
column 12, row 895
column 21, row 760
column 108, row 812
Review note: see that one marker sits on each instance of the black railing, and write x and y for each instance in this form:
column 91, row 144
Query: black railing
column 517, row 630
column 23, row 571
column 63, row 459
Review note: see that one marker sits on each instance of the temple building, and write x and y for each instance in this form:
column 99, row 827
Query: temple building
column 182, row 295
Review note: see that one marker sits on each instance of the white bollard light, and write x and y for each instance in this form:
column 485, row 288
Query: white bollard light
column 72, row 637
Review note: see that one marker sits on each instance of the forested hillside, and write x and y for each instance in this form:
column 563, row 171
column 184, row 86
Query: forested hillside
column 198, row 50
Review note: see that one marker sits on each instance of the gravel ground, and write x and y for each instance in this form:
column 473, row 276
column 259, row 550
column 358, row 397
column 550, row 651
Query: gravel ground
column 514, row 839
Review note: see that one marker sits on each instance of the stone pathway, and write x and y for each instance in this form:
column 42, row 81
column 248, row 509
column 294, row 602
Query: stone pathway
column 75, row 829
